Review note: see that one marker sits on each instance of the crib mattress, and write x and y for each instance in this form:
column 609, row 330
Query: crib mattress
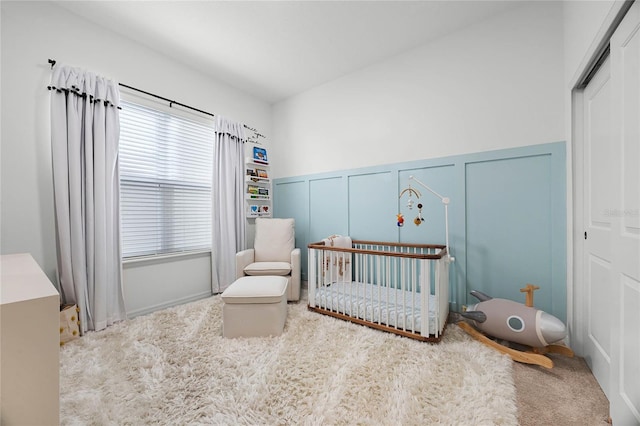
column 377, row 304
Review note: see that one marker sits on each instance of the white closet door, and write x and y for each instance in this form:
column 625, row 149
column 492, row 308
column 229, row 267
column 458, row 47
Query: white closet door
column 624, row 392
column 599, row 161
column 610, row 326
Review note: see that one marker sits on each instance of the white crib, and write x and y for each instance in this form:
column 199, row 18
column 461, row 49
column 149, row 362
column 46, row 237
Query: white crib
column 395, row 287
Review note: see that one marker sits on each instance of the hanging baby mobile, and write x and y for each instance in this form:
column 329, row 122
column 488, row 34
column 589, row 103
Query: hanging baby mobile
column 418, row 219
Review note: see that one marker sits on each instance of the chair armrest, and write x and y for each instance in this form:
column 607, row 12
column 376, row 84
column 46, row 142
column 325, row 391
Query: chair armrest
column 243, row 259
column 294, row 291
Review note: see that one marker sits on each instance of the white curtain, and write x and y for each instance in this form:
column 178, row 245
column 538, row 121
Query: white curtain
column 85, row 130
column 227, row 213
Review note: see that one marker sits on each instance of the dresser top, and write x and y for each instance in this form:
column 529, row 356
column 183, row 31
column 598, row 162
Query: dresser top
column 21, row 279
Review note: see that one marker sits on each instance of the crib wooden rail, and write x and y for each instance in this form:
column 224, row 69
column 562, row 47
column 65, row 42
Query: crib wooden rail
column 436, row 251
column 395, row 287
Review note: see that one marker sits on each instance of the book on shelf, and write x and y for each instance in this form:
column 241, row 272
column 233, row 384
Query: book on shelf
column 260, row 155
column 256, row 210
column 262, row 173
column 253, row 189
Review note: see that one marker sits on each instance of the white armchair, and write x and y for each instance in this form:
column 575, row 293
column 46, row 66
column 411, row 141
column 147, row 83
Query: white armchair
column 273, row 253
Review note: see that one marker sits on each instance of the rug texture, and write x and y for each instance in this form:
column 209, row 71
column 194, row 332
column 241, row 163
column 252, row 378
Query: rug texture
column 174, row 367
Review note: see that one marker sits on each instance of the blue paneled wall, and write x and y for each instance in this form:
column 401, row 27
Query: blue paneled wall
column 507, row 216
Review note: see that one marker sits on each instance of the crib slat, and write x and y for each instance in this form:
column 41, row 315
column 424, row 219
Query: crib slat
column 426, row 292
column 438, row 286
column 413, row 295
column 379, row 279
column 388, row 276
column 403, row 286
column 443, row 295
column 357, row 278
column 311, row 281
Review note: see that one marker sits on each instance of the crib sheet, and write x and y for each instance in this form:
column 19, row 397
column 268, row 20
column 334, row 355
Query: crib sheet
column 376, row 304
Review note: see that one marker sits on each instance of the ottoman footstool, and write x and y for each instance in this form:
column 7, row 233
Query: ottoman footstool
column 255, row 306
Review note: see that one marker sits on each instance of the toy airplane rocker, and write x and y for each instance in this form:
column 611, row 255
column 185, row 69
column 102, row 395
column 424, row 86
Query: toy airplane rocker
column 522, row 324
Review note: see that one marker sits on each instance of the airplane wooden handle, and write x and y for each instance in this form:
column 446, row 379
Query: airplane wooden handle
column 529, row 289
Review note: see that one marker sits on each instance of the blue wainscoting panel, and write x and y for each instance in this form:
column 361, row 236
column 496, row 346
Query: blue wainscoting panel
column 508, row 211
column 328, row 207
column 372, row 206
column 507, row 216
column 291, row 199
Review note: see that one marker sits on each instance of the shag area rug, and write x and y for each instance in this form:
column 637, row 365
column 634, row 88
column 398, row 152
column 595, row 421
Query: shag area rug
column 173, row 367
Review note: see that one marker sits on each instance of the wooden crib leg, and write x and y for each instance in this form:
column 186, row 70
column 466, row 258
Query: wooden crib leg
column 516, row 355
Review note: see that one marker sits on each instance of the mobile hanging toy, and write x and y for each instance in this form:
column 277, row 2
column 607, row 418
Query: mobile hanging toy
column 400, row 219
column 410, row 190
column 419, row 219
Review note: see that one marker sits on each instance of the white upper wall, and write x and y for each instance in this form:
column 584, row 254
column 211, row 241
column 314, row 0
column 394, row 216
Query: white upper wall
column 493, row 85
column 32, row 32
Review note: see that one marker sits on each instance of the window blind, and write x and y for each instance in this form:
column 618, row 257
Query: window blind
column 166, row 163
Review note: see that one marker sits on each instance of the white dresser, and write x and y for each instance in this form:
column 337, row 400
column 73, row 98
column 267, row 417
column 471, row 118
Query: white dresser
column 30, row 336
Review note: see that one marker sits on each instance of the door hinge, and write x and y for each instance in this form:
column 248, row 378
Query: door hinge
column 585, row 235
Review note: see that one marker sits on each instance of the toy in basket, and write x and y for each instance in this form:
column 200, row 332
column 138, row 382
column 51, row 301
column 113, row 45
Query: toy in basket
column 69, row 323
column 536, row 330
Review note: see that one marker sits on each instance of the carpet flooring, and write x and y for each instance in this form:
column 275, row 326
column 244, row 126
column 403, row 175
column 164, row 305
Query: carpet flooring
column 174, row 367
column 102, row 383
column 567, row 394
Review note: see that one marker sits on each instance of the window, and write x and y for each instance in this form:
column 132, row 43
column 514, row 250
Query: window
column 166, row 163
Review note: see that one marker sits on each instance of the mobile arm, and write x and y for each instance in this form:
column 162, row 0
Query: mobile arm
column 445, row 201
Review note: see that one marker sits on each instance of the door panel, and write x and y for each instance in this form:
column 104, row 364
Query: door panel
column 625, row 355
column 600, row 160
column 630, row 70
column 599, row 329
column 598, row 197
column 630, row 356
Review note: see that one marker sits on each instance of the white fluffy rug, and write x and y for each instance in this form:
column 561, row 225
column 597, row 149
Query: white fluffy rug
column 174, row 367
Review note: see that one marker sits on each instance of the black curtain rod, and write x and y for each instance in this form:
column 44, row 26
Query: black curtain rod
column 171, row 103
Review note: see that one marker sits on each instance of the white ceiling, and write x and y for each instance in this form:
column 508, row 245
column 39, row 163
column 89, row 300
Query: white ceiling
column 276, row 49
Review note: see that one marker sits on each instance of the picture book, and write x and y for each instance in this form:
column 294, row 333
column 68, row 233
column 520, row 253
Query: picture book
column 260, row 155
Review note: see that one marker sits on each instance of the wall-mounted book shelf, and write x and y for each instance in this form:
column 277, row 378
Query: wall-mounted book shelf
column 257, row 184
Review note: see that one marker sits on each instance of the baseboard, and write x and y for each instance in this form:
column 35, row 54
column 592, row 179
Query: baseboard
column 176, row 302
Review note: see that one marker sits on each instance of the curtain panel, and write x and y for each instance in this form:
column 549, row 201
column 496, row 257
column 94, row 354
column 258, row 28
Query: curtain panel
column 85, row 131
column 227, row 213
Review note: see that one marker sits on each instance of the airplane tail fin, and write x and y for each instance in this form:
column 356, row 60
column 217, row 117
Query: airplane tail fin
column 480, row 295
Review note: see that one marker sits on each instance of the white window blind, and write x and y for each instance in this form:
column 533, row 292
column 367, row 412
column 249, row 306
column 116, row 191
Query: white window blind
column 166, row 163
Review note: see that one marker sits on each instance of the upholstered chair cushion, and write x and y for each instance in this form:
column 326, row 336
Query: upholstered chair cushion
column 274, row 240
column 268, row 268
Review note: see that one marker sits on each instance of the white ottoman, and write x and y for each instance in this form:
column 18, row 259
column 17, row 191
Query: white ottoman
column 255, row 306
